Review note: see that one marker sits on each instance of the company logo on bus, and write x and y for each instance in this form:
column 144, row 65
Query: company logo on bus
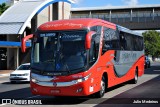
column 54, row 84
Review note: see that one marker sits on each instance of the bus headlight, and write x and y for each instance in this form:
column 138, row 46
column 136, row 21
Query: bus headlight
column 34, row 80
column 82, row 79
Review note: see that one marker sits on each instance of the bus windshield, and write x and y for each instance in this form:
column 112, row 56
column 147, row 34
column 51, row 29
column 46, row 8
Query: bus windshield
column 59, row 51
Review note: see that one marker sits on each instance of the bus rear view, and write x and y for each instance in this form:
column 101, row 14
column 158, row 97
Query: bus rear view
column 66, row 59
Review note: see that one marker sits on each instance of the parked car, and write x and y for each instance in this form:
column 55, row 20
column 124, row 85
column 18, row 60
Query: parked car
column 22, row 73
column 147, row 62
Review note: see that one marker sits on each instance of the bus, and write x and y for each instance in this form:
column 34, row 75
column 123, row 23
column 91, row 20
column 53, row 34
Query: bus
column 81, row 57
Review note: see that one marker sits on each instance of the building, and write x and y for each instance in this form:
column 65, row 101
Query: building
column 22, row 19
column 11, row 2
column 142, row 17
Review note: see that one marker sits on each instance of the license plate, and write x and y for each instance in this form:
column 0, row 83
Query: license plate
column 16, row 77
column 55, row 91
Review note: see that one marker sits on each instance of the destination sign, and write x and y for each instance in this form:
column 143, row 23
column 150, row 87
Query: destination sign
column 66, row 36
column 72, row 37
column 47, row 34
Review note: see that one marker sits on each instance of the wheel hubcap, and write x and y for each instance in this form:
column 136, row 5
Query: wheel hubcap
column 102, row 86
column 136, row 76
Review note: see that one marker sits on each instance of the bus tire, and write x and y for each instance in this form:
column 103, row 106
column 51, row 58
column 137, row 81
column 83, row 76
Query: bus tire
column 101, row 93
column 135, row 79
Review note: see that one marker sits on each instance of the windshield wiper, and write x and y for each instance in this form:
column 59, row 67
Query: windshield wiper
column 67, row 68
column 61, row 56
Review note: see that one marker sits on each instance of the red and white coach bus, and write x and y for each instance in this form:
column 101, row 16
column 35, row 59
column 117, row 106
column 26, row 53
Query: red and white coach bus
column 80, row 57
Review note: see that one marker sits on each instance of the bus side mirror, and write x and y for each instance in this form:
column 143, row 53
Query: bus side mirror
column 23, row 42
column 88, row 39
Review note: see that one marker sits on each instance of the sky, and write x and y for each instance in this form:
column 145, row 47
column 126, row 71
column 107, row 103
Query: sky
column 1, row 1
column 99, row 3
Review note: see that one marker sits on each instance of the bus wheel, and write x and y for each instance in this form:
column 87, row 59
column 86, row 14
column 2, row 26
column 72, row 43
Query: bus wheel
column 101, row 93
column 134, row 81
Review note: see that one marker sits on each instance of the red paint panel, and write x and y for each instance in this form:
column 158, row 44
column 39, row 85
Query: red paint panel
column 23, row 44
column 74, row 24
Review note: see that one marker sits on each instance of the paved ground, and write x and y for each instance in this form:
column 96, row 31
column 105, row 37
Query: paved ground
column 145, row 93
column 5, row 71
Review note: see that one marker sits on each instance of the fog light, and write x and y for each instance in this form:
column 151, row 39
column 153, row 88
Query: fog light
column 79, row 90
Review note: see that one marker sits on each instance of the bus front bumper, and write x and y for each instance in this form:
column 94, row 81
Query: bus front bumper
column 79, row 87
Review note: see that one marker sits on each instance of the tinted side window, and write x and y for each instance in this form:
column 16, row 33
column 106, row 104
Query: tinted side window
column 92, row 52
column 98, row 30
column 128, row 38
column 138, row 43
column 110, row 39
column 131, row 42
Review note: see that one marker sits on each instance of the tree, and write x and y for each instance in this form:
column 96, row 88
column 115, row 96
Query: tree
column 152, row 43
column 3, row 7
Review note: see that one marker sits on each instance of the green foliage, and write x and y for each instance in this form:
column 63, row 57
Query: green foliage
column 152, row 43
column 3, row 7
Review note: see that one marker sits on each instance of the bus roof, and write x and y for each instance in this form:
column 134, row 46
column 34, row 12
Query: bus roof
column 82, row 23
column 72, row 24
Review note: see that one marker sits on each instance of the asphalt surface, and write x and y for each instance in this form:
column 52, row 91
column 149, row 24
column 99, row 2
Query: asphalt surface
column 146, row 93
